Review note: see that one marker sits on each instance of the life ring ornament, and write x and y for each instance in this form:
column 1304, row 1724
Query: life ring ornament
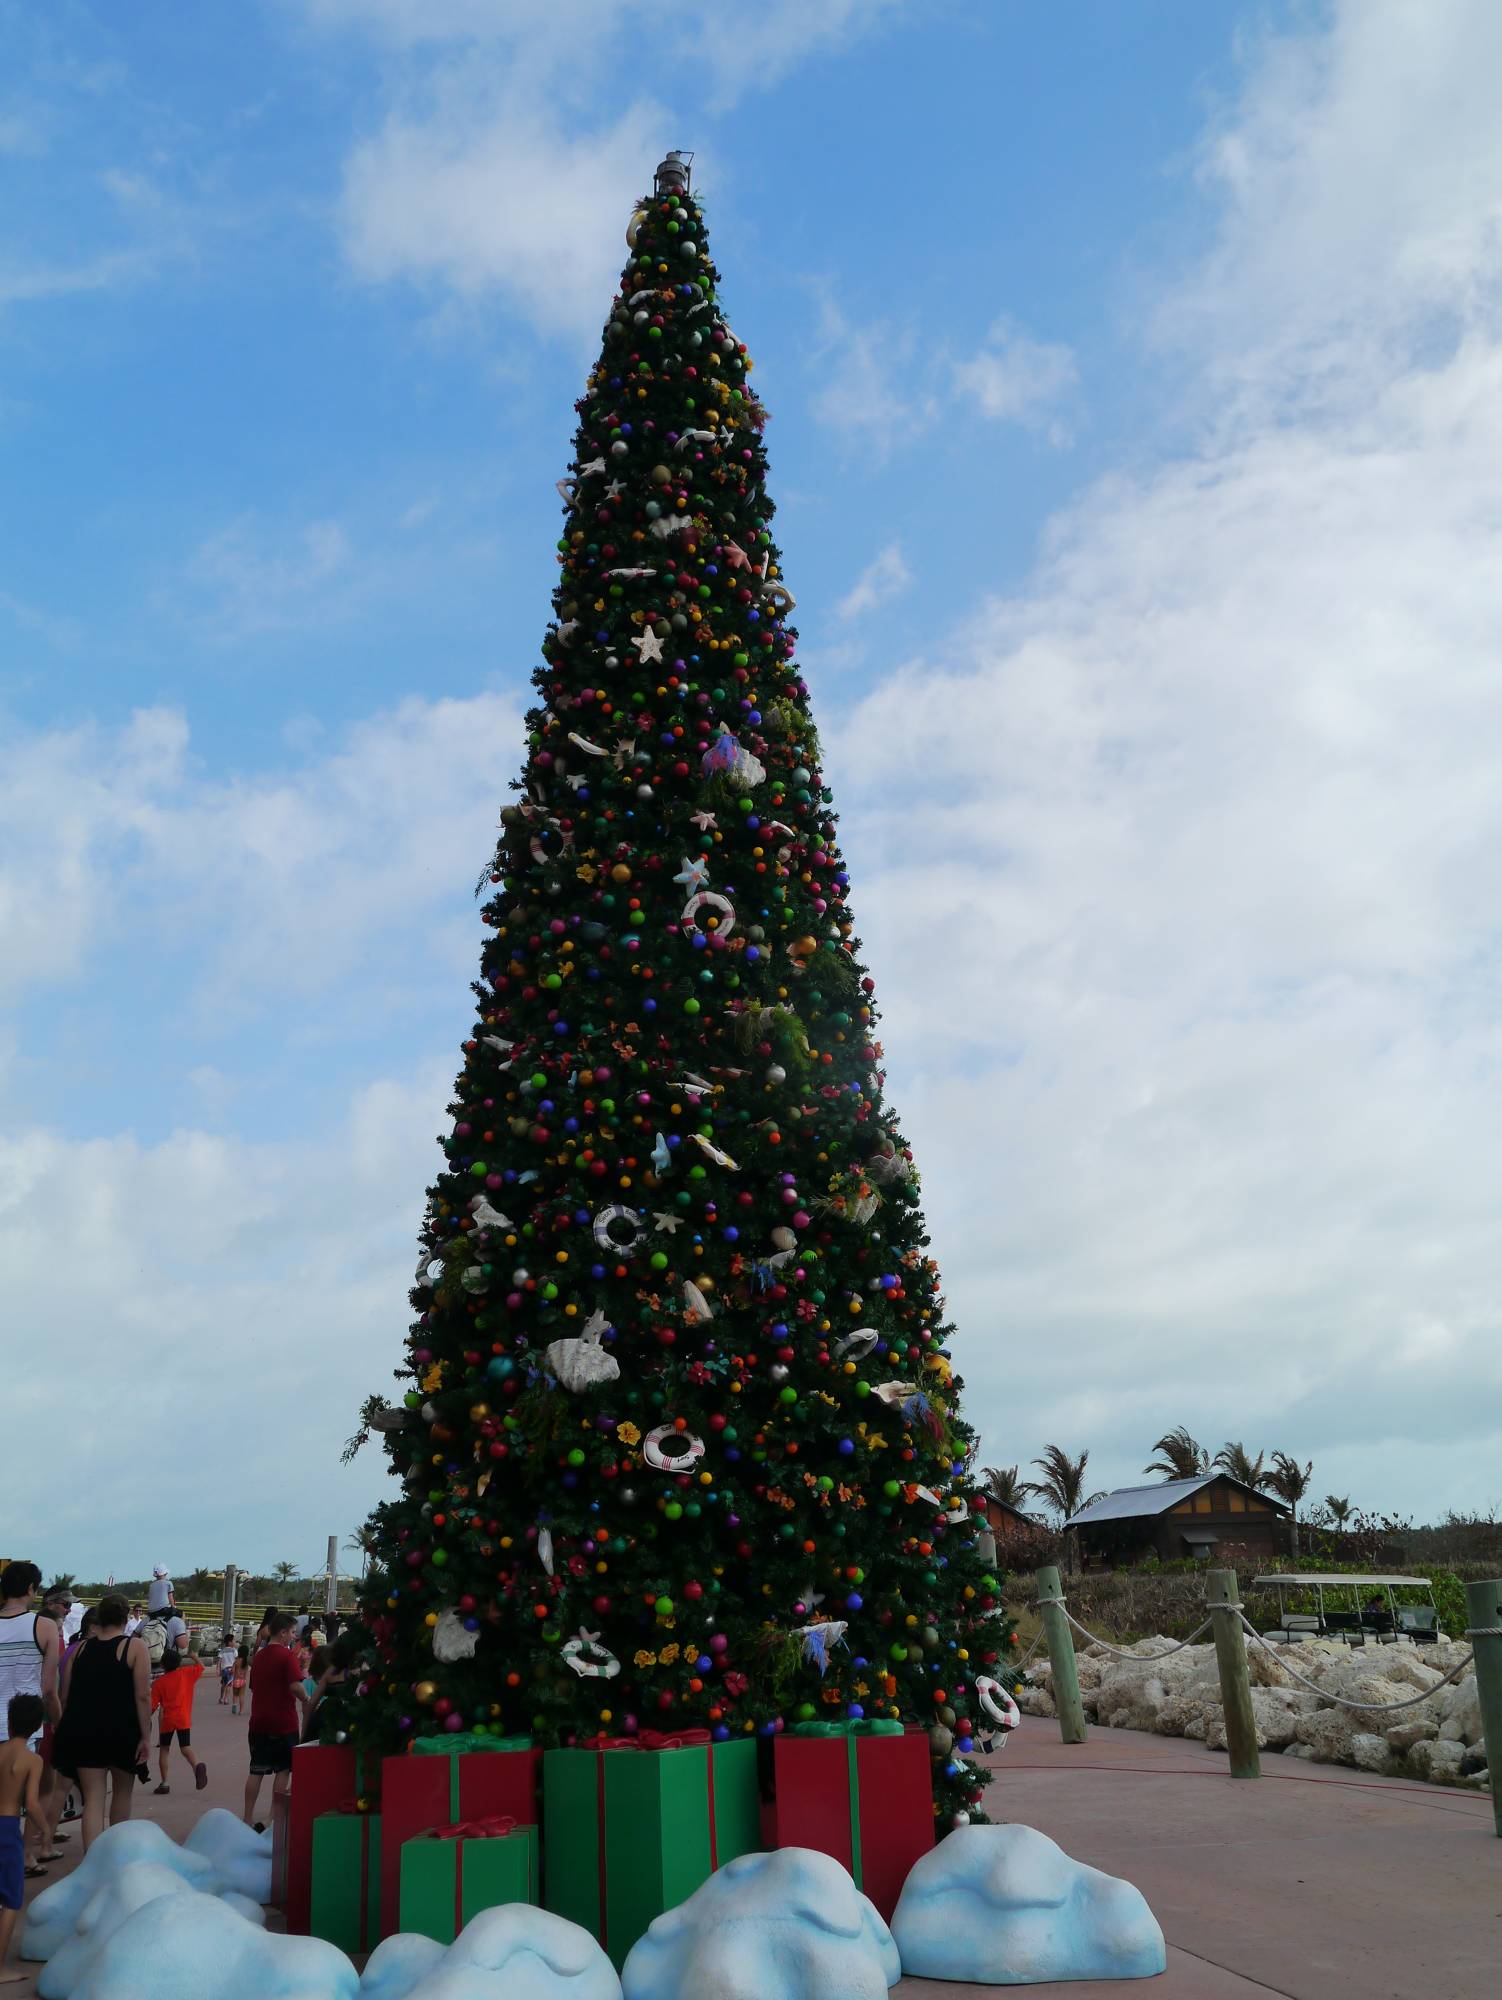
column 712, row 897
column 588, row 1658
column 687, row 1449
column 606, row 1225
column 997, row 1703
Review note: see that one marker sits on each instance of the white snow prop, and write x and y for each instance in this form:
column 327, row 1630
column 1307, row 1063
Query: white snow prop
column 115, row 1900
column 398, row 1964
column 241, row 1857
column 188, row 1945
column 790, row 1925
column 1006, row 1906
column 522, row 1953
column 52, row 1918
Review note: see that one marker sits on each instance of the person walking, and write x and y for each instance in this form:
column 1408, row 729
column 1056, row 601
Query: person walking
column 276, row 1696
column 104, row 1737
column 226, row 1665
column 30, row 1647
column 172, row 1692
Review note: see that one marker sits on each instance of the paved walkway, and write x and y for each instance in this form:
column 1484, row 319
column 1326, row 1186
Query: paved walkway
column 1315, row 1883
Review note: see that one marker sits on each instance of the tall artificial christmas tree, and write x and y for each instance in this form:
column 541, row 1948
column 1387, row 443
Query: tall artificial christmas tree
column 679, row 1444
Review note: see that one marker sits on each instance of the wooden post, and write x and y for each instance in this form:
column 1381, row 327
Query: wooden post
column 1223, row 1601
column 1483, row 1603
column 1060, row 1643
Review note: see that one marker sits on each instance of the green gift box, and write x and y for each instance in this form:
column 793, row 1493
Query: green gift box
column 344, row 1901
column 631, row 1829
column 452, row 1873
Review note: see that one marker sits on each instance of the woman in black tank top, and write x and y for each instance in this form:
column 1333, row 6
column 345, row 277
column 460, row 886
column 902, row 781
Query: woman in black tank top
column 106, row 1723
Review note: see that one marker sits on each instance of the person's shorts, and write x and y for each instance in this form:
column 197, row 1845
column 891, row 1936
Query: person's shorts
column 271, row 1754
column 12, row 1865
column 184, row 1737
column 226, row 1675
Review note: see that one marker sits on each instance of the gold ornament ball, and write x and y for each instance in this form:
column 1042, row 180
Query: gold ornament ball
column 425, row 1692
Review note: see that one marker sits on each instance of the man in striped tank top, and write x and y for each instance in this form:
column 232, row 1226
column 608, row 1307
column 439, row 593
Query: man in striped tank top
column 30, row 1646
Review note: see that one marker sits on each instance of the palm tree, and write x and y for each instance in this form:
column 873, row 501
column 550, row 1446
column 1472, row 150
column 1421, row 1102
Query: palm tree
column 1062, row 1487
column 1233, row 1458
column 64, row 1580
column 1290, row 1481
column 1006, row 1484
column 1179, row 1456
column 1340, row 1512
column 284, row 1572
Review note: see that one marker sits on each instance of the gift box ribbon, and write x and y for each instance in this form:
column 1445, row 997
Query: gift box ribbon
column 649, row 1739
column 652, row 1739
column 473, row 1829
column 867, row 1725
column 852, row 1728
column 465, row 1743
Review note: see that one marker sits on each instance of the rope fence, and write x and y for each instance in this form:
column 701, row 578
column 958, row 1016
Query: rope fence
column 1231, row 1629
column 1344, row 1701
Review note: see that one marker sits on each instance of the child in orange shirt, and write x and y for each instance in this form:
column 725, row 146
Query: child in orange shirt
column 172, row 1692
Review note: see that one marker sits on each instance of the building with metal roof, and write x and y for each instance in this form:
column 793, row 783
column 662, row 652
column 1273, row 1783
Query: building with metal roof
column 1175, row 1518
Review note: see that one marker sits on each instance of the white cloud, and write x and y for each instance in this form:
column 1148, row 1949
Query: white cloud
column 886, row 576
column 262, row 1281
column 492, row 176
column 335, row 865
column 246, row 582
column 1015, row 379
column 1185, row 857
column 874, row 388
column 1362, row 211
column 239, row 1298
column 494, row 199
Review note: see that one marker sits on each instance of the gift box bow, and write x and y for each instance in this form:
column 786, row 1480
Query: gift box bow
column 869, row 1725
column 472, row 1829
column 652, row 1739
column 465, row 1743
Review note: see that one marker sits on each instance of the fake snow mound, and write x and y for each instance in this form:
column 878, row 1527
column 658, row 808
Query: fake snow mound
column 790, row 1925
column 1439, row 1739
column 398, row 1964
column 189, row 1946
column 514, row 1950
column 53, row 1916
column 117, row 1898
column 1006, row 1906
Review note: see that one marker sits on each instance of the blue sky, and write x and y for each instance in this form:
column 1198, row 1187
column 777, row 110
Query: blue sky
column 1134, row 374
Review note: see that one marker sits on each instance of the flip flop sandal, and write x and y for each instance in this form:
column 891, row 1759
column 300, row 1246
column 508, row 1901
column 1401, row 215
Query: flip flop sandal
column 34, row 1868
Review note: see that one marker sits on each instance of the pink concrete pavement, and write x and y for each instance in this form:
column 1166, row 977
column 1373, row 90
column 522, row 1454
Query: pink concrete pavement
column 1315, row 1883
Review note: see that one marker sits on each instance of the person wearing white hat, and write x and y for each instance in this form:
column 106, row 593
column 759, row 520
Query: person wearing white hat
column 160, row 1596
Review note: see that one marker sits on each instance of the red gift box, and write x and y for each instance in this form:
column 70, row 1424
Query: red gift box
column 419, row 1793
column 324, row 1776
column 867, row 1800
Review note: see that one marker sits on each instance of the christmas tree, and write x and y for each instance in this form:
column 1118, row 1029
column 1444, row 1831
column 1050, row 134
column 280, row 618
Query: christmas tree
column 679, row 1443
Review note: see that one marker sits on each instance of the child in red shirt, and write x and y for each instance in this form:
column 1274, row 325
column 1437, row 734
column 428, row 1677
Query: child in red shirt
column 172, row 1692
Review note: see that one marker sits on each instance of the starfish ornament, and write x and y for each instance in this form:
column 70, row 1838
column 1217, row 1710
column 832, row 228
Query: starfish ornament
column 693, row 874
column 648, row 645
